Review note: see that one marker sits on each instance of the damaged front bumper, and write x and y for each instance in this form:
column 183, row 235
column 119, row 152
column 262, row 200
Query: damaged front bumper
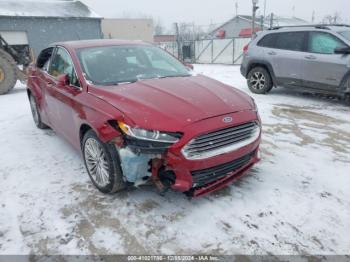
column 137, row 157
column 169, row 168
column 211, row 177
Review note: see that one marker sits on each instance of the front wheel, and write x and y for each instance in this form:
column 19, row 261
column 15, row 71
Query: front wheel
column 36, row 113
column 259, row 81
column 102, row 164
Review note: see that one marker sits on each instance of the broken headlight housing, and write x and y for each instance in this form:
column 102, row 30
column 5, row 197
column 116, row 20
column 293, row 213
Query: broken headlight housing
column 148, row 135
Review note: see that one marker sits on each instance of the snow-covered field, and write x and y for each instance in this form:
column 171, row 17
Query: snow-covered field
column 295, row 201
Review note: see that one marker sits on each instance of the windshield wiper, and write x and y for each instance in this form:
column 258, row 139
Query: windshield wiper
column 140, row 79
column 171, row 76
column 121, row 83
column 127, row 82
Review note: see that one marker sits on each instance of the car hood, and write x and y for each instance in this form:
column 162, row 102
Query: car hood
column 169, row 104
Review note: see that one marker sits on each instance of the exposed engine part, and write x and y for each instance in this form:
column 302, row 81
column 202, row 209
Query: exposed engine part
column 136, row 167
column 159, row 185
column 162, row 178
column 167, row 178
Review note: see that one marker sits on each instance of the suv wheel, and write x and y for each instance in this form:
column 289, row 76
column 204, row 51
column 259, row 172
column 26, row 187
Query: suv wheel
column 347, row 99
column 259, row 80
column 102, row 164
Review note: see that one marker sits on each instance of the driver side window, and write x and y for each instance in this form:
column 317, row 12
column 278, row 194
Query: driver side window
column 44, row 59
column 62, row 64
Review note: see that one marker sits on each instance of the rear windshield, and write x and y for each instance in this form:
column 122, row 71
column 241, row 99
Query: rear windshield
column 346, row 34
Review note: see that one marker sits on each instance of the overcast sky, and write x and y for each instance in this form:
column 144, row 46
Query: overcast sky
column 202, row 12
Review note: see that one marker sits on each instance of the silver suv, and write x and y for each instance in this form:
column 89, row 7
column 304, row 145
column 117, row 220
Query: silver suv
column 312, row 58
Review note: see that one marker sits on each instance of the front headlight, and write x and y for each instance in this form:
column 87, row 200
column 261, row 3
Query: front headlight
column 149, row 135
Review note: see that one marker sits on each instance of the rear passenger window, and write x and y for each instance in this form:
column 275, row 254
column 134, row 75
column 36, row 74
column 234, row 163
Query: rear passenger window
column 293, row 41
column 268, row 41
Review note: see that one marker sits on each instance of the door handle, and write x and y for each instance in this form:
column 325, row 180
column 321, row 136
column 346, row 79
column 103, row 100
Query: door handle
column 272, row 53
column 311, row 57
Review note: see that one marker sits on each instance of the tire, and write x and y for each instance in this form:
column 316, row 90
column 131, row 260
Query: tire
column 102, row 163
column 259, row 81
column 346, row 96
column 36, row 113
column 8, row 73
column 347, row 99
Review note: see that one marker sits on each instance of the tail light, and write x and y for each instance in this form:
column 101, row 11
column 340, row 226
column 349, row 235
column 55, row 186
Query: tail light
column 245, row 48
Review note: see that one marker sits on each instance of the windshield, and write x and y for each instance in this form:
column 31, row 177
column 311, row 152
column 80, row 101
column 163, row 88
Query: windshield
column 346, row 34
column 111, row 65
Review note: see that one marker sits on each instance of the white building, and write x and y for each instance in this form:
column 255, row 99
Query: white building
column 241, row 25
column 128, row 29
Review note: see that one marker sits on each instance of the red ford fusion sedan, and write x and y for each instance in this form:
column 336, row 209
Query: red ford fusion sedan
column 137, row 115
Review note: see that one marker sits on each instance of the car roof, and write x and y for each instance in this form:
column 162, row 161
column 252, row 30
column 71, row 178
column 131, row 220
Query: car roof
column 341, row 29
column 98, row 43
column 324, row 27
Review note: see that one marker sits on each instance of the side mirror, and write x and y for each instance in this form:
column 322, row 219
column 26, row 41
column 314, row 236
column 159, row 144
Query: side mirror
column 63, row 80
column 342, row 50
column 189, row 66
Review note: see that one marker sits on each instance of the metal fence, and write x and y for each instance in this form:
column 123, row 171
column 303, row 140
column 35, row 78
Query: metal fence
column 171, row 47
column 213, row 51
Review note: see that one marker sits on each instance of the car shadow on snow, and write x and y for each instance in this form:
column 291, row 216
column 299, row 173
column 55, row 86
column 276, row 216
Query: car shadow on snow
column 312, row 97
column 139, row 217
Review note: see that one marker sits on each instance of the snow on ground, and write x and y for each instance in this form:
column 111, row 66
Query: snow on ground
column 295, row 201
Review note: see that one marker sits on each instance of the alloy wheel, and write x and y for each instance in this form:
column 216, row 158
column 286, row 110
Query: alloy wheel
column 257, row 80
column 96, row 162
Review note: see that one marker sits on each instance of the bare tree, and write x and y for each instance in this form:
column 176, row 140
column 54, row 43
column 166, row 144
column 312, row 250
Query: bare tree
column 159, row 28
column 190, row 31
column 212, row 26
column 332, row 19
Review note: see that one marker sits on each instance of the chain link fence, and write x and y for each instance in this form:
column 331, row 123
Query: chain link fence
column 213, row 51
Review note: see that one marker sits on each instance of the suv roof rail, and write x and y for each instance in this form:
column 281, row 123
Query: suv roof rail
column 318, row 26
column 343, row 25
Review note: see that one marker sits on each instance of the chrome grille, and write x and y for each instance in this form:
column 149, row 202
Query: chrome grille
column 221, row 141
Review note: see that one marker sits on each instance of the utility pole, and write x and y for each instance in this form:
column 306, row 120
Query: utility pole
column 255, row 8
column 271, row 20
column 313, row 17
column 236, row 7
column 264, row 9
column 262, row 22
column 178, row 40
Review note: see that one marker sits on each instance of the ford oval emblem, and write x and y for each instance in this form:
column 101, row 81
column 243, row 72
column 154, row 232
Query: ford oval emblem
column 228, row 119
